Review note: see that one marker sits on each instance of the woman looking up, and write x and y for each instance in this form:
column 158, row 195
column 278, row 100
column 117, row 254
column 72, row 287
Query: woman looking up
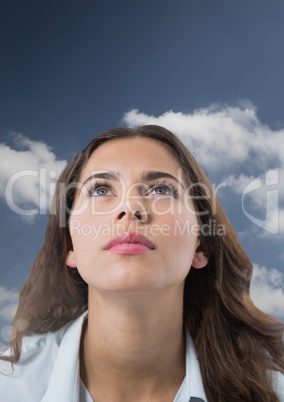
column 141, row 289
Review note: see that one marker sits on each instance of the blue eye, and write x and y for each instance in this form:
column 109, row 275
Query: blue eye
column 99, row 190
column 164, row 189
column 104, row 189
column 161, row 190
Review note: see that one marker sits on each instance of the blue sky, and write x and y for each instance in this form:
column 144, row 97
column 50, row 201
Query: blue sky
column 211, row 71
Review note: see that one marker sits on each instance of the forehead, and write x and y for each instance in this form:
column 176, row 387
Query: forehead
column 135, row 154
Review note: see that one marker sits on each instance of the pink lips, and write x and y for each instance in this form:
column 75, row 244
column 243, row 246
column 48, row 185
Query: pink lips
column 129, row 243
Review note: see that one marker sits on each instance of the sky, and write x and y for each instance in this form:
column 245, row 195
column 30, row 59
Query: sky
column 210, row 71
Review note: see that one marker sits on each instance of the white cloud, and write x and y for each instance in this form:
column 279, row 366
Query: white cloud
column 272, row 179
column 233, row 146
column 267, row 290
column 27, row 174
column 220, row 137
column 265, row 194
column 8, row 303
column 238, row 182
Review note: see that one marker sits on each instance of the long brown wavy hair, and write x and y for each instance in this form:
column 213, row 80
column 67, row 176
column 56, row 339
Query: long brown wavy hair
column 237, row 345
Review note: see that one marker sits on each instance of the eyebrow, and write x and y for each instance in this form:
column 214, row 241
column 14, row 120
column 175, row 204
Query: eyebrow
column 110, row 175
column 145, row 176
column 153, row 175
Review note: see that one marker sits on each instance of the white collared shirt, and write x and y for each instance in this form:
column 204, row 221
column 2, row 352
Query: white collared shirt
column 192, row 385
column 49, row 370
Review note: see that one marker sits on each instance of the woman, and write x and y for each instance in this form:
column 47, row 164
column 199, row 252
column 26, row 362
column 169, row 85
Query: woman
column 141, row 289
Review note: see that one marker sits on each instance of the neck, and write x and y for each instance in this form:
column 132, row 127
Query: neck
column 134, row 343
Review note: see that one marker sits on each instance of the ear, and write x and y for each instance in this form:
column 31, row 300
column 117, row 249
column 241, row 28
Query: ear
column 70, row 259
column 200, row 259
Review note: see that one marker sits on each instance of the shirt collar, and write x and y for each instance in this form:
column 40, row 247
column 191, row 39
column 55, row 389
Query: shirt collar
column 65, row 378
column 192, row 385
column 67, row 371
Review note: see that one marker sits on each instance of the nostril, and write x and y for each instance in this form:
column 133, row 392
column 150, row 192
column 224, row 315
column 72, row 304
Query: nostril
column 138, row 215
column 120, row 216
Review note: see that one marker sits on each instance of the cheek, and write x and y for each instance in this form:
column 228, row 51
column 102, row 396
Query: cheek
column 180, row 222
column 182, row 245
column 181, row 235
column 86, row 223
column 164, row 206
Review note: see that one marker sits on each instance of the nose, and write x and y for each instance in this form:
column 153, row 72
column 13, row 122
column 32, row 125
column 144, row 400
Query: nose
column 139, row 215
column 133, row 209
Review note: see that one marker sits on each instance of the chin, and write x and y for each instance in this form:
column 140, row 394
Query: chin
column 128, row 282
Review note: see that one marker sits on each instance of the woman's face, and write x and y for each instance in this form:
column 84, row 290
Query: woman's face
column 133, row 225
